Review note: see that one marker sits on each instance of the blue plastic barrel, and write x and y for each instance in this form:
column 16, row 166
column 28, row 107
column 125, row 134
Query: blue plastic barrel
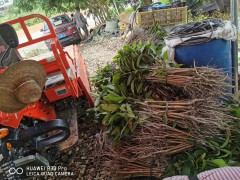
column 215, row 53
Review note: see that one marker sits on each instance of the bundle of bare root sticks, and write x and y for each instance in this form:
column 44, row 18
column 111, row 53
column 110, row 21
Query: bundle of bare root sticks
column 202, row 117
column 198, row 82
column 119, row 165
column 126, row 169
column 167, row 141
column 145, row 152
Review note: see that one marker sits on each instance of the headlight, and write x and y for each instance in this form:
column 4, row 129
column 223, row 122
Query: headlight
column 70, row 27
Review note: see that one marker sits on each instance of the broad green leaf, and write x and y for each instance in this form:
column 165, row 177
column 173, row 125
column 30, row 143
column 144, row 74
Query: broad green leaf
column 112, row 93
column 129, row 80
column 114, row 118
column 165, row 55
column 147, row 46
column 211, row 146
column 129, row 109
column 142, row 49
column 124, row 115
column 203, row 156
column 116, row 79
column 97, row 101
column 131, row 115
column 111, row 87
column 133, row 56
column 153, row 48
column 113, row 99
column 109, row 107
column 139, row 60
column 126, row 64
column 140, row 88
column 218, row 162
column 214, row 143
column 227, row 153
column 204, row 164
column 123, row 108
column 133, row 65
column 133, row 87
column 123, row 89
column 227, row 139
column 159, row 51
column 134, row 45
column 105, row 119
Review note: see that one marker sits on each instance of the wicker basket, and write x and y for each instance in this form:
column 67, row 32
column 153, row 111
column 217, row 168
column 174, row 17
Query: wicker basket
column 163, row 17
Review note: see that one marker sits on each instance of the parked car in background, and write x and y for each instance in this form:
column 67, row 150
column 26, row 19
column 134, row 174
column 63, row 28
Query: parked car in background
column 65, row 29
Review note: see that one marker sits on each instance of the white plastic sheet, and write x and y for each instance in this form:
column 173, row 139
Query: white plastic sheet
column 227, row 32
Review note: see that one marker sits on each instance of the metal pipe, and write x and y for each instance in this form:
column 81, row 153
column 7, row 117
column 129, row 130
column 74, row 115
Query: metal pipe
column 234, row 20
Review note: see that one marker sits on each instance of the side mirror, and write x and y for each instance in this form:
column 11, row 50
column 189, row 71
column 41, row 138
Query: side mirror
column 9, row 35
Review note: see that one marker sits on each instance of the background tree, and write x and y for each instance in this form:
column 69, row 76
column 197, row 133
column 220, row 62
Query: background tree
column 101, row 9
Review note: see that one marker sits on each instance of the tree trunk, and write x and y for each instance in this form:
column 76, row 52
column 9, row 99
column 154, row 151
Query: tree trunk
column 224, row 5
column 115, row 6
column 98, row 12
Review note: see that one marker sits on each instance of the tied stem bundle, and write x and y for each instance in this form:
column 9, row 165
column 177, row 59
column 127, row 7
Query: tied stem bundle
column 201, row 117
column 198, row 82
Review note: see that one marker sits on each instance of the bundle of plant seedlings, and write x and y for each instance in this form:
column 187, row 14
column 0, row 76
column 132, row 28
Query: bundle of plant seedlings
column 201, row 117
column 121, row 166
column 151, row 109
column 154, row 34
column 198, row 82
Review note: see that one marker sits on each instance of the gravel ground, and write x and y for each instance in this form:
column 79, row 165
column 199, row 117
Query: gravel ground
column 98, row 54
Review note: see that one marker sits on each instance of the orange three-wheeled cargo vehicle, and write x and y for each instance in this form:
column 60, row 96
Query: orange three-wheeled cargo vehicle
column 38, row 97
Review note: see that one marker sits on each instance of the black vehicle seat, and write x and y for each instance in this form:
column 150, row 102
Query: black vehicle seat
column 8, row 38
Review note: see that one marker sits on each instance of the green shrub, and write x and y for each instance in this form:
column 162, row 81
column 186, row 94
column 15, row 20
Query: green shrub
column 200, row 16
